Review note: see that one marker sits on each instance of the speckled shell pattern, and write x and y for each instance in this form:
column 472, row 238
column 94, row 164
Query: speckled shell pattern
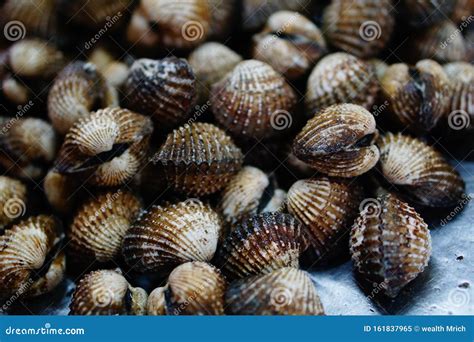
column 100, row 224
column 166, row 236
column 461, row 76
column 165, row 89
column 341, row 78
column 338, row 141
column 419, row 171
column 261, row 244
column 13, row 199
column 75, row 91
column 287, row 291
column 247, row 100
column 195, row 288
column 30, row 253
column 327, row 208
column 362, row 27
column 390, row 244
column 199, row 159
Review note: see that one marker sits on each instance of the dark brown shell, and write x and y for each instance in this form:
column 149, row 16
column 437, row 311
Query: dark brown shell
column 327, row 208
column 341, row 78
column 164, row 237
column 423, row 13
column 252, row 99
column 339, row 141
column 287, row 291
column 362, row 28
column 164, row 89
column 419, row 171
column 418, row 96
column 13, row 199
column 199, row 159
column 261, row 244
column 390, row 245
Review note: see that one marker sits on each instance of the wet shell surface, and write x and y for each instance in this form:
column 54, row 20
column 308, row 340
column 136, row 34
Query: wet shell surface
column 31, row 261
column 390, row 244
column 77, row 89
column 100, row 224
column 424, row 13
column 287, row 291
column 418, row 96
column 341, row 78
column 261, row 244
column 164, row 89
column 250, row 100
column 339, row 141
column 327, row 208
column 107, row 292
column 112, row 143
column 199, row 159
column 156, row 304
column 290, row 43
column 195, row 288
column 362, row 28
column 461, row 76
column 419, row 171
column 13, row 199
column 166, row 236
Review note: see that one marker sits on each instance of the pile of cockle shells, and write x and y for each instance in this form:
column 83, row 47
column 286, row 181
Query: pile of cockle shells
column 191, row 157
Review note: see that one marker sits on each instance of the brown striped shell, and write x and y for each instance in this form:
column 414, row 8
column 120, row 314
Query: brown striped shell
column 107, row 292
column 261, row 244
column 164, row 89
column 112, row 143
column 31, row 260
column 424, row 13
column 417, row 96
column 390, row 244
column 327, row 208
column 13, row 199
column 98, row 14
column 290, row 43
column 287, row 291
column 99, row 226
column 207, row 74
column 341, row 78
column 339, row 141
column 166, row 236
column 199, row 159
column 362, row 28
column 250, row 99
column 195, row 288
column 419, row 171
column 77, row 90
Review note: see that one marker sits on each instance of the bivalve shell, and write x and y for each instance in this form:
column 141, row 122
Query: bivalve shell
column 13, row 199
column 424, row 13
column 156, row 304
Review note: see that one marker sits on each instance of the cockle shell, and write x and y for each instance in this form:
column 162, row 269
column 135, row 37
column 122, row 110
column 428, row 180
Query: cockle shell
column 61, row 191
column 31, row 260
column 13, row 198
column 250, row 100
column 112, row 143
column 462, row 10
column 223, row 17
column 100, row 224
column 107, row 292
column 417, row 96
column 362, row 28
column 195, row 288
column 424, row 13
column 339, row 141
column 14, row 90
column 287, row 291
column 261, row 244
column 77, row 90
column 461, row 76
column 156, row 304
column 164, row 89
column 419, row 171
column 166, row 236
column 290, row 43
column 199, row 159
column 390, row 244
column 341, row 78
column 327, row 208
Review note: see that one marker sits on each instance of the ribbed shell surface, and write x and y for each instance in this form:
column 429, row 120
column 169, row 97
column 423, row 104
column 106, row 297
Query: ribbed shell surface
column 156, row 304
column 461, row 76
column 390, row 246
column 424, row 13
column 13, row 198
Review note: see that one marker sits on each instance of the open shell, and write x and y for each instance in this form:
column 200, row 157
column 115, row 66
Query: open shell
column 13, row 199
